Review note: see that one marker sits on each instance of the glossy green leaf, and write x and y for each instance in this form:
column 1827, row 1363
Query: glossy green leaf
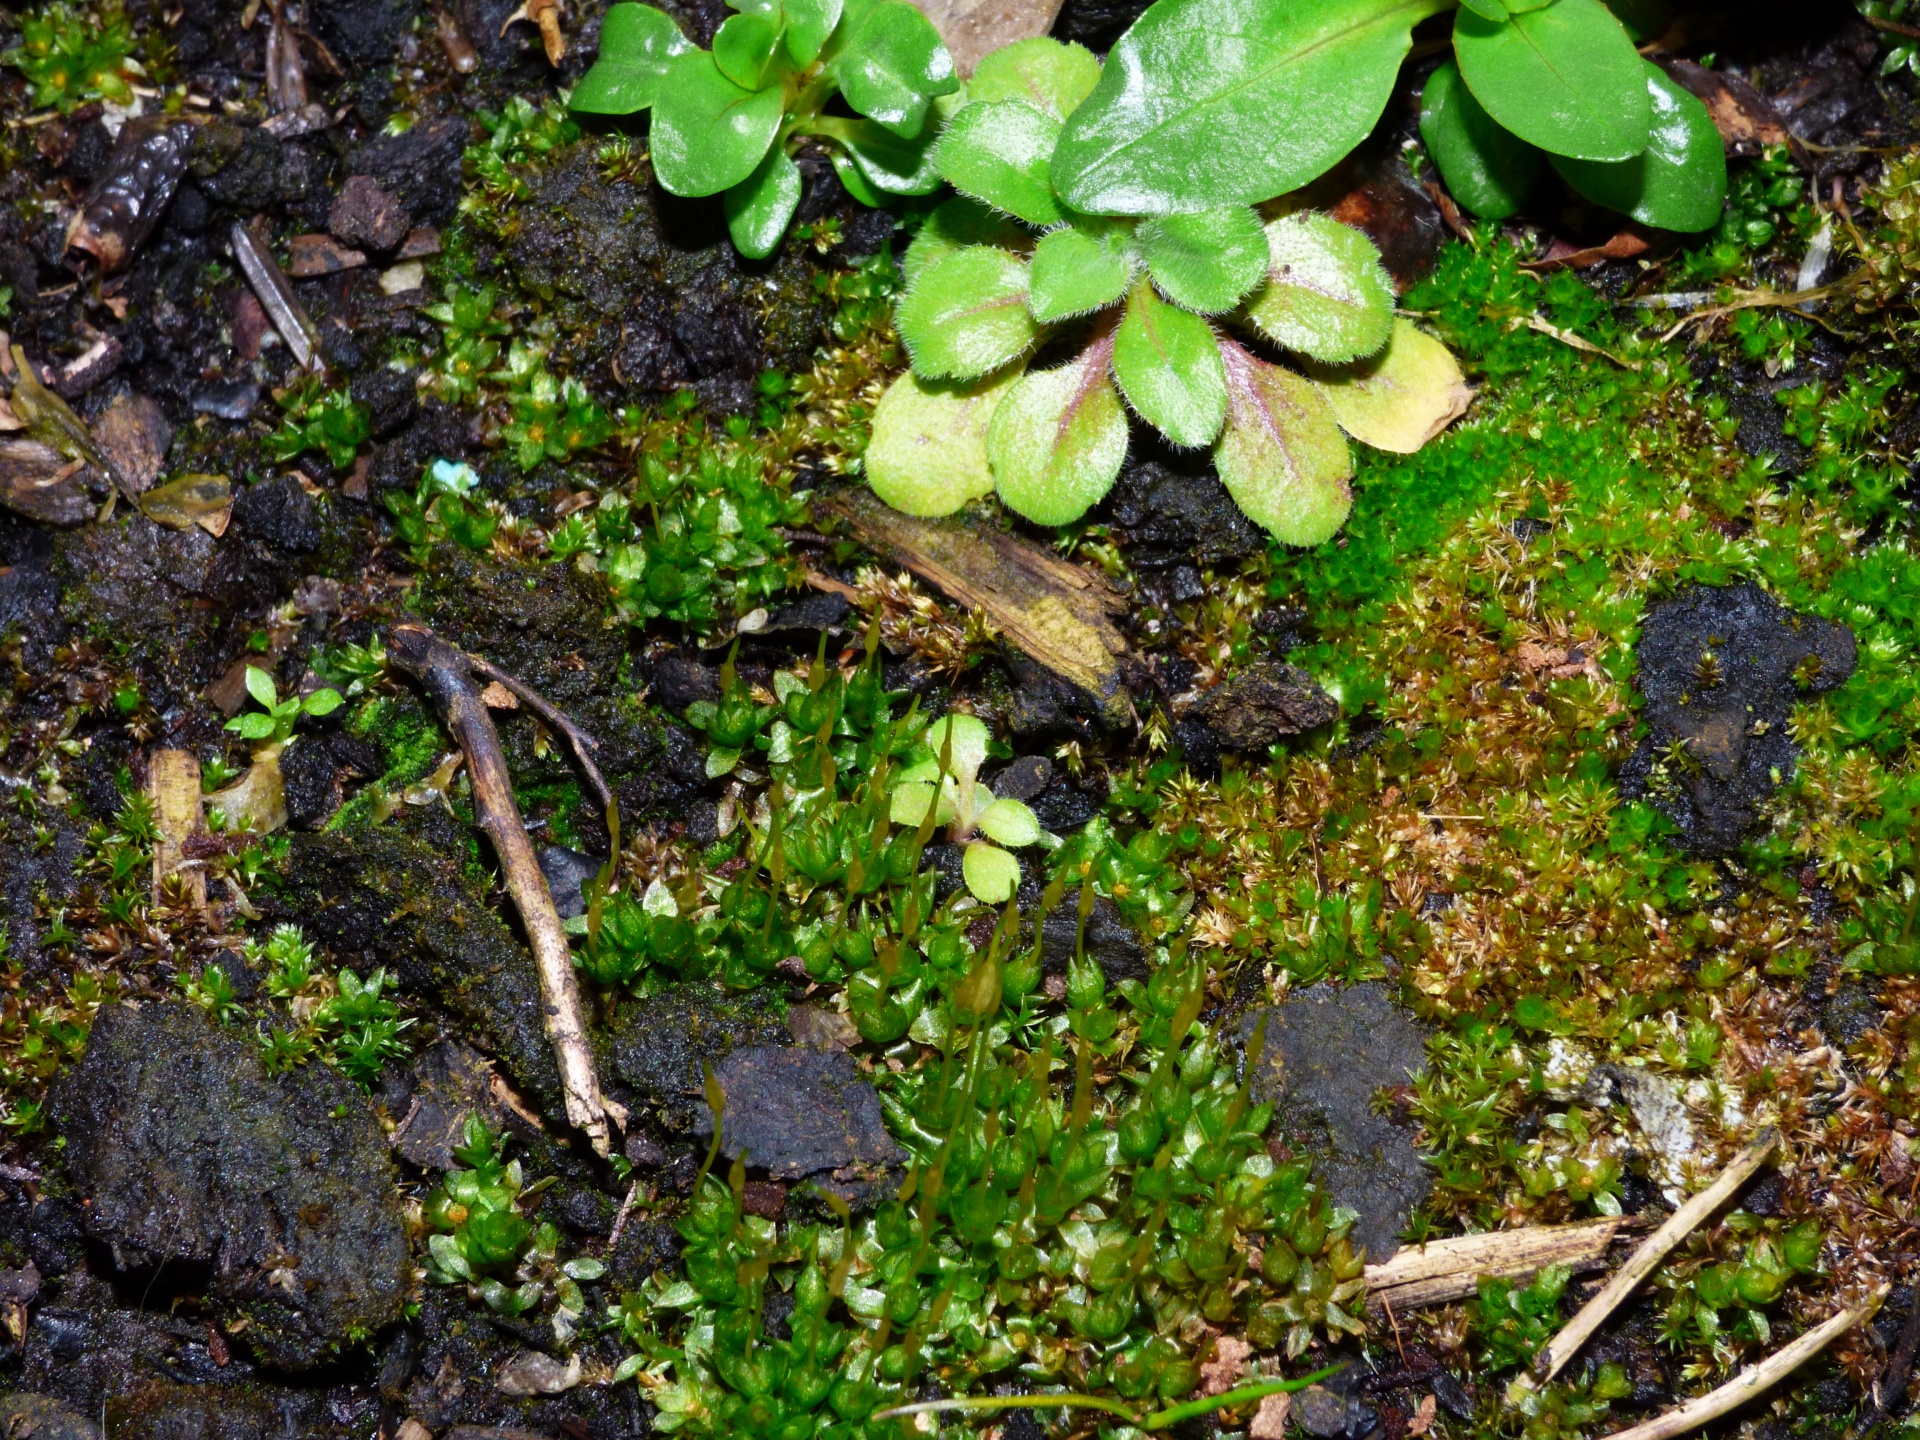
column 1281, row 456
column 893, row 64
column 708, row 133
column 998, row 152
column 636, row 44
column 1679, row 181
column 1168, row 364
column 884, row 160
column 854, row 182
column 809, row 23
column 760, row 207
column 1208, row 261
column 743, row 49
column 1489, row 170
column 1565, row 78
column 1491, row 9
column 1010, row 823
column 1401, row 398
column 928, row 452
column 1229, row 102
column 992, row 875
column 966, row 314
column 1047, row 74
column 1057, row 441
column 957, row 223
column 1327, row 294
column 1078, row 270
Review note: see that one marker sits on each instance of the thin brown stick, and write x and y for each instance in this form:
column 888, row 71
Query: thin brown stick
column 1755, row 1380
column 1652, row 1250
column 1893, row 27
column 582, row 744
column 1892, row 1384
column 447, row 674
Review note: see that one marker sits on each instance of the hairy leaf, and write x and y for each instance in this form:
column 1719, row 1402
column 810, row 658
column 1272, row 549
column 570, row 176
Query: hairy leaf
column 1489, row 170
column 809, row 23
column 1281, row 456
column 966, row 314
column 1010, row 822
column 1047, row 74
column 990, row 872
column 1078, row 270
column 1168, row 364
column 1326, row 293
column 760, row 207
column 1679, row 181
column 1229, row 102
column 1057, row 440
column 1401, row 398
column 997, row 151
column 708, row 133
column 1565, row 78
column 893, row 64
column 1207, row 261
column 636, row 44
column 928, row 454
column 956, row 223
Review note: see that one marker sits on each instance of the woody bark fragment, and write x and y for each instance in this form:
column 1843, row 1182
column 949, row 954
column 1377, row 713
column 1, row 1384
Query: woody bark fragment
column 1060, row 614
column 449, row 676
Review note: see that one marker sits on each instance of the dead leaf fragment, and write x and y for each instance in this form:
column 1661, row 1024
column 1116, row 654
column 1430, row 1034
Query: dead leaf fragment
column 311, row 255
column 1628, row 244
column 531, row 1373
column 1223, row 1369
column 257, row 801
column 819, row 1028
column 1270, row 1420
column 1422, row 1420
column 1746, row 119
column 180, row 504
column 974, row 29
column 1401, row 398
column 40, row 483
column 135, row 435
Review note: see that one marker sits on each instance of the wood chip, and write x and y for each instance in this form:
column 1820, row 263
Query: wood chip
column 135, row 434
column 173, row 784
column 1451, row 1269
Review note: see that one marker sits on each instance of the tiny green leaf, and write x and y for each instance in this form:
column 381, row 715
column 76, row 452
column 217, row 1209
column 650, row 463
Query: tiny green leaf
column 957, row 223
column 893, row 64
column 998, row 152
column 1230, row 102
column 1046, row 73
column 1326, row 294
column 809, row 23
column 1281, row 456
column 1207, row 261
column 1489, row 170
column 965, row 738
column 883, row 159
column 990, row 872
column 260, row 686
column 743, row 49
column 323, row 701
column 1565, row 78
column 252, row 725
column 1011, row 823
column 761, row 206
column 1168, row 364
column 909, row 801
column 709, row 133
column 1057, row 441
column 967, row 314
column 1401, row 398
column 1079, row 269
column 928, row 454
column 636, row 44
column 1679, row 181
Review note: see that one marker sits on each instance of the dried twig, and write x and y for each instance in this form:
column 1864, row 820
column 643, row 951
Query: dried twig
column 276, row 295
column 173, row 783
column 1754, row 1380
column 448, row 675
column 1652, row 1250
column 1443, row 1270
column 546, row 15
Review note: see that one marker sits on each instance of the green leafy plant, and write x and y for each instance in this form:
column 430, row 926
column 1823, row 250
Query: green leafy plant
column 1140, row 297
column 551, row 418
column 69, row 58
column 274, row 721
column 727, row 121
column 332, row 422
column 945, row 780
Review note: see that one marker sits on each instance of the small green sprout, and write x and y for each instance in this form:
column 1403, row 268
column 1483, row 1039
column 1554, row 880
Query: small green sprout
column 334, row 423
column 958, row 748
column 274, row 722
column 70, row 58
column 728, row 121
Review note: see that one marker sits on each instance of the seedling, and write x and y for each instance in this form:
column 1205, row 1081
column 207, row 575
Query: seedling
column 332, row 422
column 274, row 722
column 728, row 121
column 1142, row 295
column 967, row 807
column 70, row 59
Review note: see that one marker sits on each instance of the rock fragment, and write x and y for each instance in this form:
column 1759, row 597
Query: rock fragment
column 1265, row 703
column 794, row 1112
column 366, row 213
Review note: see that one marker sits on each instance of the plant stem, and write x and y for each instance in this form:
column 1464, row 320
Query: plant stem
column 987, row 1404
column 1206, row 1405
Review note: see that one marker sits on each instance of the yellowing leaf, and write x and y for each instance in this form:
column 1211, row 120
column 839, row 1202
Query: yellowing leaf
column 203, row 500
column 928, row 454
column 1281, row 456
column 1401, row 398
